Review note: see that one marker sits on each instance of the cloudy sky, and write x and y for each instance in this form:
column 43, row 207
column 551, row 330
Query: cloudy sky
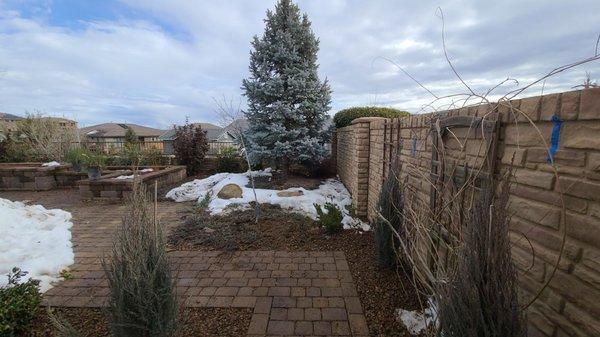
column 155, row 62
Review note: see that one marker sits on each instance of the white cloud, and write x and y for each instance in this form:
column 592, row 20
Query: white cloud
column 171, row 58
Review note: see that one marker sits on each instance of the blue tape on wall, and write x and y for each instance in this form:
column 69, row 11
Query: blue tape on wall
column 556, row 123
column 413, row 150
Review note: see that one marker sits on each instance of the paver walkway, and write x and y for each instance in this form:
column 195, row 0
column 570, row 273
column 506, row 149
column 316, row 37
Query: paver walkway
column 291, row 293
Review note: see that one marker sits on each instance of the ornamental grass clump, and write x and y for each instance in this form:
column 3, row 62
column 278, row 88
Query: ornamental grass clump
column 142, row 298
column 389, row 221
column 480, row 297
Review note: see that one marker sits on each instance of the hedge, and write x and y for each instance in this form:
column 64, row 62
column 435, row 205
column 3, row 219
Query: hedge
column 346, row 116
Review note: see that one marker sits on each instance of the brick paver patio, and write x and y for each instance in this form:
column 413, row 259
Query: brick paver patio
column 291, row 293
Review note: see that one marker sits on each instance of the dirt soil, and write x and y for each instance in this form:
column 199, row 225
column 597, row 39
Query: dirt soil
column 198, row 322
column 280, row 181
column 381, row 291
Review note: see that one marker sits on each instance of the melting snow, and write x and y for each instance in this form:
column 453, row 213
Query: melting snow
column 331, row 190
column 415, row 321
column 36, row 240
column 131, row 176
column 51, row 164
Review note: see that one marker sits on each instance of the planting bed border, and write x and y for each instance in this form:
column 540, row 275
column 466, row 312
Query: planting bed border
column 109, row 188
column 30, row 177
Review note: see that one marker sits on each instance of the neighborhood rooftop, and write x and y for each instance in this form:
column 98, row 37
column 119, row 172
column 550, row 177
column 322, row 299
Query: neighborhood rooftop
column 115, row 130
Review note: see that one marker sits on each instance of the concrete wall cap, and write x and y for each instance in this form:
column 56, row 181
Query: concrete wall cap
column 367, row 119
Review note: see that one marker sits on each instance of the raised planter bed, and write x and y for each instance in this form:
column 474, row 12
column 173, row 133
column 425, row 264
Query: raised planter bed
column 109, row 186
column 29, row 176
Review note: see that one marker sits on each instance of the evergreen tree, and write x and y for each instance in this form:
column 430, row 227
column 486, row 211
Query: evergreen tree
column 130, row 136
column 287, row 103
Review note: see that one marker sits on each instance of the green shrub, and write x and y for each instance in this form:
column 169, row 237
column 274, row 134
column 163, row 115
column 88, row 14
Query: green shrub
column 132, row 154
column 117, row 161
column 345, row 117
column 91, row 159
column 19, row 303
column 228, row 160
column 14, row 151
column 390, row 210
column 142, row 300
column 153, row 157
column 76, row 157
column 331, row 219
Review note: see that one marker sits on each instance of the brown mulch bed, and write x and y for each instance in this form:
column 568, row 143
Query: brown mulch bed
column 280, row 181
column 381, row 291
column 198, row 322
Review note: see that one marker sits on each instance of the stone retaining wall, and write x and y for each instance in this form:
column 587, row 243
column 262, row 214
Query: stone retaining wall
column 570, row 305
column 107, row 187
column 28, row 176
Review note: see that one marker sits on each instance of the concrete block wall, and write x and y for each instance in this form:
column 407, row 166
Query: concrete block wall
column 570, row 304
column 352, row 157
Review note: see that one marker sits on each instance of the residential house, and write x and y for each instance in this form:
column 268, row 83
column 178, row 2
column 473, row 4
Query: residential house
column 111, row 136
column 63, row 122
column 218, row 137
column 8, row 124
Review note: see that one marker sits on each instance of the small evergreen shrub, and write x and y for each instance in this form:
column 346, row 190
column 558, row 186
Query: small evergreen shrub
column 19, row 303
column 227, row 160
column 390, row 209
column 190, row 145
column 330, row 219
column 345, row 117
column 142, row 300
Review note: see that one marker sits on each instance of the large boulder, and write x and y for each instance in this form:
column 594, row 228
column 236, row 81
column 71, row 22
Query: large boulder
column 290, row 193
column 230, row 191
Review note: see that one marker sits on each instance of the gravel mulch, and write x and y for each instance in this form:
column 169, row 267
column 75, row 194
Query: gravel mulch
column 381, row 291
column 198, row 322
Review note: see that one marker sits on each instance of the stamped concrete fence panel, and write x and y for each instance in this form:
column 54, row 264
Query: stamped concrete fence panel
column 554, row 214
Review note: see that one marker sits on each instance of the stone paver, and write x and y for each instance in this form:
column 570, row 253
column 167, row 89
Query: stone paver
column 291, row 293
column 249, row 279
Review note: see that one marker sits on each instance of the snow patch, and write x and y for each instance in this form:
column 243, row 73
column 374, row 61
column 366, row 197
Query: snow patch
column 51, row 164
column 132, row 175
column 36, row 240
column 331, row 190
column 415, row 321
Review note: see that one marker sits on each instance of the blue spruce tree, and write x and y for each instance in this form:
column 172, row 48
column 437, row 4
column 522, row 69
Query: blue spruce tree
column 287, row 103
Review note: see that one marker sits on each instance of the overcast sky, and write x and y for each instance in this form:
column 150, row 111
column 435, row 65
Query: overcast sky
column 155, row 62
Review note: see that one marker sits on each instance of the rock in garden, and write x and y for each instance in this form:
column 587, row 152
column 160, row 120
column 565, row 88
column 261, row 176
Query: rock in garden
column 289, row 193
column 230, row 191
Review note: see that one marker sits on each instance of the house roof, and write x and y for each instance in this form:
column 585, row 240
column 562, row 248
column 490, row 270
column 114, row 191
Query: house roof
column 117, row 130
column 212, row 132
column 240, row 124
column 6, row 116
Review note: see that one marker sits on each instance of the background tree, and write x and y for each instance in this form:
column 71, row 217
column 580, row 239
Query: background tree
column 287, row 103
column 130, row 137
column 190, row 146
column 44, row 138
